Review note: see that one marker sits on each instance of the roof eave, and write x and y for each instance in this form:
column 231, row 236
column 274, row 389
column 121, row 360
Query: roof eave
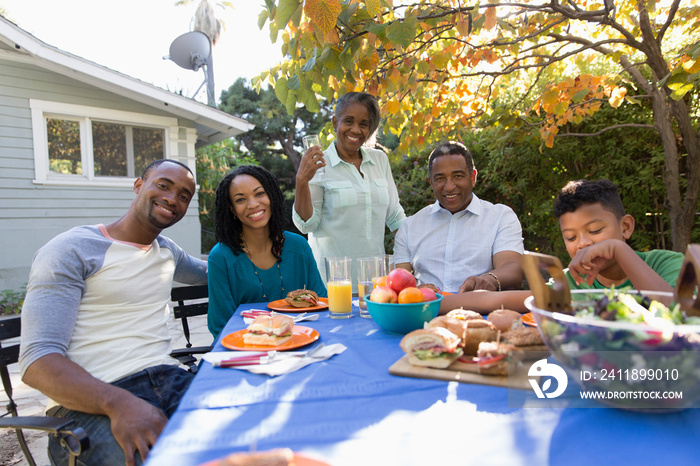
column 54, row 59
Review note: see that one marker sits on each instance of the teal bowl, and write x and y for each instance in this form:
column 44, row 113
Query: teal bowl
column 403, row 318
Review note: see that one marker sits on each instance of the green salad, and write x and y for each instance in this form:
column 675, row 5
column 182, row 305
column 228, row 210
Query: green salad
column 617, row 335
column 616, row 305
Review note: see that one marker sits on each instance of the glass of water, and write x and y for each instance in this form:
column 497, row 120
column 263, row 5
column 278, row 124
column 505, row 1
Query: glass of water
column 311, row 141
column 369, row 271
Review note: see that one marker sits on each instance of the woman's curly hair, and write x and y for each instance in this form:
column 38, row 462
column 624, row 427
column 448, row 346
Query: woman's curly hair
column 228, row 227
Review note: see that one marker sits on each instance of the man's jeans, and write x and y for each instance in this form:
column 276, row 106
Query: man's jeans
column 162, row 386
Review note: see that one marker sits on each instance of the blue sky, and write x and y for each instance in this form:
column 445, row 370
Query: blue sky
column 133, row 36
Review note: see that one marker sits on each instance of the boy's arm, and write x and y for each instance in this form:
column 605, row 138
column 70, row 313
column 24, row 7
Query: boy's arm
column 590, row 260
column 486, row 301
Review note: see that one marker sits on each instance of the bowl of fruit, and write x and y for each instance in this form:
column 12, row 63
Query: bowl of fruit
column 398, row 306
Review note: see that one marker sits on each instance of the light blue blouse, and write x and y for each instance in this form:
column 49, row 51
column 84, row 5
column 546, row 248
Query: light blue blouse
column 350, row 210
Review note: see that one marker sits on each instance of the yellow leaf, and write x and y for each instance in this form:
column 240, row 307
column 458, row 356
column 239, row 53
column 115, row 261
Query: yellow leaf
column 393, row 107
column 333, row 83
column 332, row 37
column 373, row 7
column 550, row 141
column 463, row 26
column 692, row 66
column 617, row 96
column 490, row 16
column 323, row 13
column 550, row 97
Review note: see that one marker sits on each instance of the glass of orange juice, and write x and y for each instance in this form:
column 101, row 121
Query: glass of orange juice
column 339, row 286
column 369, row 269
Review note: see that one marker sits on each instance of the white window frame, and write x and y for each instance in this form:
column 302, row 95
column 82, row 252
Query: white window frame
column 42, row 110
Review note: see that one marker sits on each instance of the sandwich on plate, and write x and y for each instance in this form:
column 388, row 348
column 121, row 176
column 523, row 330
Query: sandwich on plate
column 431, row 347
column 271, row 330
column 302, row 298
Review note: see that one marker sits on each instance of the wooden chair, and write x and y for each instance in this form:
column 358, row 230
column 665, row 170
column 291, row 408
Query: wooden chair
column 189, row 304
column 73, row 438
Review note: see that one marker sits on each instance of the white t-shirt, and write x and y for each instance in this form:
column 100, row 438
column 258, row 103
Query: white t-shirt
column 103, row 303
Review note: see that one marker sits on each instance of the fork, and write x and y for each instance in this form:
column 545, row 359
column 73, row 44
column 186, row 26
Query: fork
column 300, row 317
column 305, row 316
column 312, row 352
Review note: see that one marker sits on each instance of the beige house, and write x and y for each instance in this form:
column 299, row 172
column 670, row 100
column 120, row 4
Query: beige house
column 74, row 135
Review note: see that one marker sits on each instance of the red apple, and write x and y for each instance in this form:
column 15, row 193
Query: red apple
column 398, row 279
column 428, row 294
column 383, row 294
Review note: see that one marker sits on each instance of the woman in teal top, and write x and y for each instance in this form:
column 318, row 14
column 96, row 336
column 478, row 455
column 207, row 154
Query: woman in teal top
column 254, row 259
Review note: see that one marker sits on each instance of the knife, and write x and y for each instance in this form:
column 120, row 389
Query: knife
column 247, row 360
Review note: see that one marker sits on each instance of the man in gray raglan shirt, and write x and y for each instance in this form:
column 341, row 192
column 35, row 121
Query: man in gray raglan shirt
column 95, row 337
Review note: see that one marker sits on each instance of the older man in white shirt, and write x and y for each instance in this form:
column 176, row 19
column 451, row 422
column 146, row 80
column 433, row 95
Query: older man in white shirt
column 460, row 243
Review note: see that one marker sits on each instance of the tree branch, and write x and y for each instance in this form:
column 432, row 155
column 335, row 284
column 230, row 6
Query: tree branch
column 598, row 133
column 671, row 14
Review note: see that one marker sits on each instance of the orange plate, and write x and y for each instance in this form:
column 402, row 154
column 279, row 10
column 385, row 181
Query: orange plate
column 528, row 319
column 299, row 460
column 281, row 306
column 301, row 336
column 446, row 293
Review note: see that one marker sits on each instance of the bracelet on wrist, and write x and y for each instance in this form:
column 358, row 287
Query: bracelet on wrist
column 498, row 282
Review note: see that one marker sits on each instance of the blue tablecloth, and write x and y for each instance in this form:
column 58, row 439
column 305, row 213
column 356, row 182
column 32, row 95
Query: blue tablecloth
column 349, row 410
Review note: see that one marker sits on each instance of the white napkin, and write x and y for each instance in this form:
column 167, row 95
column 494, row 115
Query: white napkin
column 283, row 362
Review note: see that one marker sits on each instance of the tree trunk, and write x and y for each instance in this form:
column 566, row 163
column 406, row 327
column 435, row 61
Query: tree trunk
column 674, row 204
column 681, row 211
column 691, row 142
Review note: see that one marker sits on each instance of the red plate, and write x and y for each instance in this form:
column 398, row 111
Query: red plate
column 301, row 336
column 528, row 319
column 299, row 460
column 281, row 306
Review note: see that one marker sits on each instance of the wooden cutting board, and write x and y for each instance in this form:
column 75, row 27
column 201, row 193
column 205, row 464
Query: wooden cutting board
column 465, row 373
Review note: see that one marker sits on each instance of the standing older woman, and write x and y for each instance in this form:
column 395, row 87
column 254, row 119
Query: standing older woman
column 254, row 259
column 345, row 209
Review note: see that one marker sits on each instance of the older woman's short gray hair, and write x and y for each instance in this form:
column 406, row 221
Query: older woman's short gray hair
column 368, row 100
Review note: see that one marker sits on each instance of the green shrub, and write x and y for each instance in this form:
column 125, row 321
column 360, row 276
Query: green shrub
column 11, row 301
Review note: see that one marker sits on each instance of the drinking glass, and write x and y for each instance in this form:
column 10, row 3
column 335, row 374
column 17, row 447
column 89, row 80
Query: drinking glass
column 369, row 270
column 389, row 264
column 339, row 286
column 311, row 141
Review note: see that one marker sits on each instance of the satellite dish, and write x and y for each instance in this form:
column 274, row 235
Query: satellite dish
column 192, row 51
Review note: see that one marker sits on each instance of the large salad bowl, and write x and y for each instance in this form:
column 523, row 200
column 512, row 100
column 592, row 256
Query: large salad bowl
column 626, row 365
column 644, row 356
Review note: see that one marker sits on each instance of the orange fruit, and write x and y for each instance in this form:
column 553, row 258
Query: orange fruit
column 410, row 295
column 381, row 281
